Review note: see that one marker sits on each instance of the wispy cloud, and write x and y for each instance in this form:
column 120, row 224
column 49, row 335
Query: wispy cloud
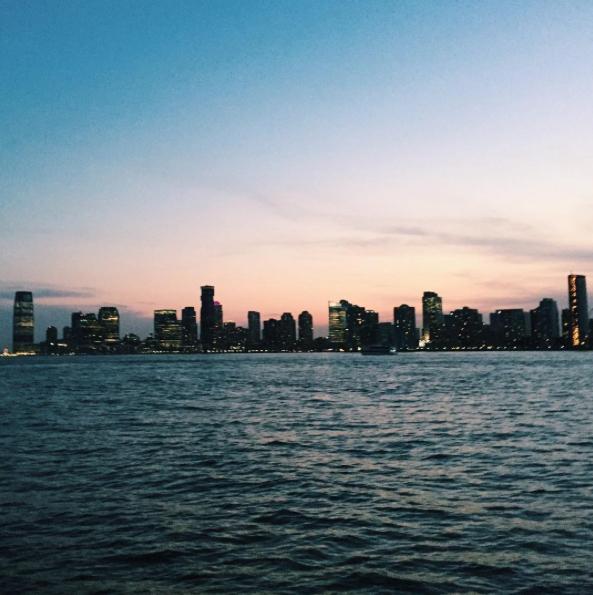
column 500, row 236
column 7, row 291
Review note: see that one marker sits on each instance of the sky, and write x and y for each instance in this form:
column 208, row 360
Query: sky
column 292, row 153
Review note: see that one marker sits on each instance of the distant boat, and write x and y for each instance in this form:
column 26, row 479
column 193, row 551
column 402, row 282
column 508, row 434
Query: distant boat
column 378, row 350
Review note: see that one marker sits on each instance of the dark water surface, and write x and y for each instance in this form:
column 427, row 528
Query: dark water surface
column 297, row 473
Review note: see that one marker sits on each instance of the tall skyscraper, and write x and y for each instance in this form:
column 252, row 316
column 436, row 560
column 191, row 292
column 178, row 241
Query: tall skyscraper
column 287, row 331
column 218, row 339
column 189, row 326
column 545, row 329
column 109, row 323
column 23, row 323
column 579, row 310
column 254, row 328
column 337, row 324
column 404, row 322
column 167, row 329
column 207, row 316
column 305, row 329
column 432, row 315
column 271, row 334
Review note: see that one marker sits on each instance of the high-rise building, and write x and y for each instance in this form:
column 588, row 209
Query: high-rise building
column 287, row 331
column 233, row 337
column 271, row 334
column 465, row 329
column 305, row 329
column 337, row 324
column 23, row 323
column 218, row 339
column 369, row 329
column 357, row 324
column 109, row 323
column 545, row 329
column 207, row 316
column 579, row 310
column 508, row 328
column 86, row 332
column 404, row 322
column 51, row 334
column 51, row 340
column 167, row 329
column 254, row 328
column 189, row 326
column 218, row 316
column 432, row 315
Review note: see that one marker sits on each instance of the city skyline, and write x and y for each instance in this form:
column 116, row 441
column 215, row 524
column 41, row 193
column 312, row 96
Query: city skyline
column 50, row 314
column 350, row 327
column 361, row 150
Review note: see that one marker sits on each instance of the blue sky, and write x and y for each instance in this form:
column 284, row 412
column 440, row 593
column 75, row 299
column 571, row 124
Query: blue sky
column 294, row 152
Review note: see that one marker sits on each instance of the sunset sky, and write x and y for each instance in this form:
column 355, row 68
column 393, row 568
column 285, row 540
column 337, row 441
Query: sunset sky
column 292, row 153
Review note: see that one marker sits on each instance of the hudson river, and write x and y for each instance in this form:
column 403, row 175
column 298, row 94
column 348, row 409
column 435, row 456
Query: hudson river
column 310, row 473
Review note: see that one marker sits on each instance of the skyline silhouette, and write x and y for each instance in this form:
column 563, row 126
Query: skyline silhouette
column 350, row 327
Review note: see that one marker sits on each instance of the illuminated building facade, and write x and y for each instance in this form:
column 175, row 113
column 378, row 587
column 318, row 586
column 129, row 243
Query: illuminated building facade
column 109, row 323
column 337, row 324
column 359, row 323
column 86, row 334
column 23, row 323
column 465, row 329
column 579, row 311
column 167, row 330
column 432, row 315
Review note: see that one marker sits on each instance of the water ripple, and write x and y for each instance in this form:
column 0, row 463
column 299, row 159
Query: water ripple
column 423, row 473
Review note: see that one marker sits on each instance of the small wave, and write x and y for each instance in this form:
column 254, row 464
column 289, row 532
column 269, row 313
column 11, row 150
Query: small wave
column 154, row 557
